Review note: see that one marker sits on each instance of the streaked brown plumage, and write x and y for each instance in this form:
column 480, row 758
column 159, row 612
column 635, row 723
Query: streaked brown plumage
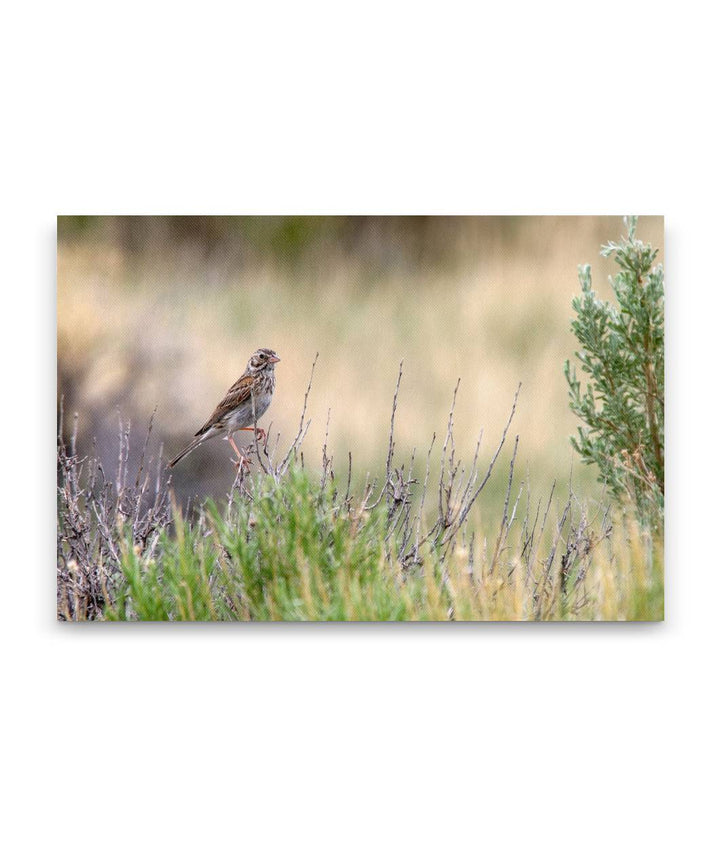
column 244, row 403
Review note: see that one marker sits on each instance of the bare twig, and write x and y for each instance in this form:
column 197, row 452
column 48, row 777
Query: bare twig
column 471, row 501
column 391, row 439
column 302, row 429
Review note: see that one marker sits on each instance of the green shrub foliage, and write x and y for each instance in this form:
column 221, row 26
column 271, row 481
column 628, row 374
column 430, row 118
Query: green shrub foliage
column 622, row 350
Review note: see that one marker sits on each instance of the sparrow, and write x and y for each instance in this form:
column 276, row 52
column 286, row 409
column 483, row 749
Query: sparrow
column 244, row 403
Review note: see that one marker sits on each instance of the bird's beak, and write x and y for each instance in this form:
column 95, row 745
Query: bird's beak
column 274, row 360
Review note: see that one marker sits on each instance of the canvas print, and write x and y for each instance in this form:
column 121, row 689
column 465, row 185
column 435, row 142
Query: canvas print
column 360, row 418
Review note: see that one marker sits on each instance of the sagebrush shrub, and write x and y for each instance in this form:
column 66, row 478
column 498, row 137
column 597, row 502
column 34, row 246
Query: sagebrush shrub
column 622, row 350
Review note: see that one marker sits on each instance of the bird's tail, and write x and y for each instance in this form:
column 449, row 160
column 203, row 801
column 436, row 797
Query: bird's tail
column 193, row 444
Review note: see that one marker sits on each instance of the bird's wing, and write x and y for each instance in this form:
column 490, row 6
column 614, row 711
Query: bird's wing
column 234, row 397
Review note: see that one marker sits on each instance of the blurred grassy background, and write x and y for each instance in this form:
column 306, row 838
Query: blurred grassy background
column 165, row 311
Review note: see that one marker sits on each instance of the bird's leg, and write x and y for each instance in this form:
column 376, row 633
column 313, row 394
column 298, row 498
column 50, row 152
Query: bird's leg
column 259, row 433
column 242, row 461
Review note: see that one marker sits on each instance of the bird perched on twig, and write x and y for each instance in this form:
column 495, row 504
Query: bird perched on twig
column 244, row 403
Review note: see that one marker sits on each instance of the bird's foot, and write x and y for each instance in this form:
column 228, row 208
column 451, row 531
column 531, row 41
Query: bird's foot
column 242, row 463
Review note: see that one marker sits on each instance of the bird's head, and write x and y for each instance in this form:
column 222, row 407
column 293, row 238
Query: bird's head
column 262, row 359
